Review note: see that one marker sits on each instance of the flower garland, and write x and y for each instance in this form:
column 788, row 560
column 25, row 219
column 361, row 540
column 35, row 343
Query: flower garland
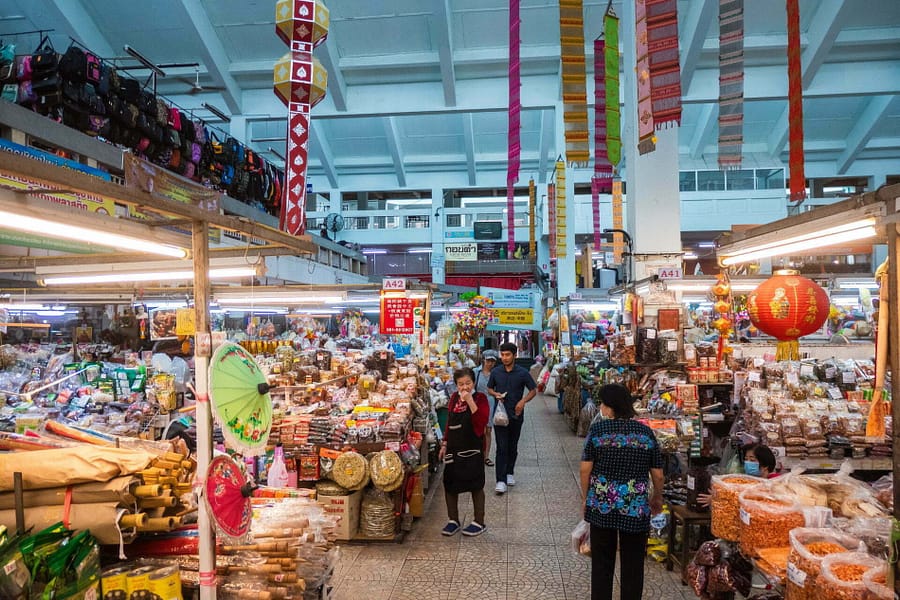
column 470, row 323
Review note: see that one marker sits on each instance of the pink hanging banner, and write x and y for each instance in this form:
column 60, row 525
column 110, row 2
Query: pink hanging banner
column 515, row 124
column 646, row 141
column 665, row 71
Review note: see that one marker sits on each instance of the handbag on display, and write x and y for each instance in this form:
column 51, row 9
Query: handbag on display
column 26, row 93
column 23, row 68
column 10, row 92
column 44, row 59
column 72, row 64
column 8, row 72
column 162, row 112
column 92, row 68
column 130, row 90
column 46, row 85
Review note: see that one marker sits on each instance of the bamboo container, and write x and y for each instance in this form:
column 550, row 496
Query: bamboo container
column 158, row 502
column 147, row 491
column 131, row 521
column 161, row 524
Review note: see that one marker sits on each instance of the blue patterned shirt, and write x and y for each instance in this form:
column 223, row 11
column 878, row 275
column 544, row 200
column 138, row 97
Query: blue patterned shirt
column 623, row 451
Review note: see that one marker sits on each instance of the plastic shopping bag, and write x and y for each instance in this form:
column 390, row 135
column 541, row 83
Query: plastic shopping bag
column 581, row 539
column 501, row 418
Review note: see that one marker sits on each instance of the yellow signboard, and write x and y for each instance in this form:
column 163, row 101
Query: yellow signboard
column 514, row 316
column 76, row 200
column 185, row 323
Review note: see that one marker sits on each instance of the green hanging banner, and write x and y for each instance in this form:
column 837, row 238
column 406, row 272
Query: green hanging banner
column 611, row 57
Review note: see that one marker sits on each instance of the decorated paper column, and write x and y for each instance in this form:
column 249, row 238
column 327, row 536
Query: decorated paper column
column 300, row 82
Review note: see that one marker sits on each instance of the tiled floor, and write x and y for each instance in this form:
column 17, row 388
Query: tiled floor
column 524, row 554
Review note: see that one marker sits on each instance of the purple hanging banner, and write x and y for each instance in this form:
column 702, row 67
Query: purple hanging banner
column 515, row 124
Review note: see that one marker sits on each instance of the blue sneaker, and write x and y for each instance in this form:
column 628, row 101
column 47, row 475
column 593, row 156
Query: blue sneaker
column 473, row 529
column 450, row 528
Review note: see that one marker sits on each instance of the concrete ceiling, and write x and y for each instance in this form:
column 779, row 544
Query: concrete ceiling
column 418, row 87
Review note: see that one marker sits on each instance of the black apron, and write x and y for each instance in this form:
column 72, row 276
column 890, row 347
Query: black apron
column 463, row 460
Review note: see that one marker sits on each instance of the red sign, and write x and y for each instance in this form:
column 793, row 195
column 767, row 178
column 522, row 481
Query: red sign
column 293, row 211
column 397, row 315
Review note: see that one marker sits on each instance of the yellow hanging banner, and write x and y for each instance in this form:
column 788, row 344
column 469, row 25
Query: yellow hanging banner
column 560, row 209
column 618, row 221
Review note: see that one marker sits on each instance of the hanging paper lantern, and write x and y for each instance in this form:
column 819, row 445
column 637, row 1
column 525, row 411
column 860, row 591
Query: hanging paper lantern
column 722, row 306
column 788, row 306
column 301, row 21
column 722, row 325
column 721, row 288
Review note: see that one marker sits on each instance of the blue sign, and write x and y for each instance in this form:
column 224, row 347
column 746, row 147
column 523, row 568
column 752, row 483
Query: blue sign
column 12, row 147
column 309, row 188
column 457, row 234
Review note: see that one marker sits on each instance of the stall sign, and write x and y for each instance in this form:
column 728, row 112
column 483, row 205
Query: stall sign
column 489, row 251
column 508, row 298
column 393, row 284
column 397, row 316
column 94, row 203
column 467, row 251
column 47, row 157
column 514, row 316
column 185, row 321
column 669, row 273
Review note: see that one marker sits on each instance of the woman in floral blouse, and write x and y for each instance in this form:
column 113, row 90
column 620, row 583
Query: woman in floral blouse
column 620, row 458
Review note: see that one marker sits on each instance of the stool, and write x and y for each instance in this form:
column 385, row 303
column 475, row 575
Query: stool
column 690, row 522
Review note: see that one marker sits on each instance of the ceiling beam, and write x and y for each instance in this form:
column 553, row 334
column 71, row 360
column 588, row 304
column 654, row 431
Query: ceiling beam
column 442, row 35
column 212, row 52
column 337, row 87
column 393, row 142
column 696, row 26
column 469, row 141
column 865, row 126
column 548, row 135
column 706, row 124
column 83, row 28
column 821, row 34
column 323, row 151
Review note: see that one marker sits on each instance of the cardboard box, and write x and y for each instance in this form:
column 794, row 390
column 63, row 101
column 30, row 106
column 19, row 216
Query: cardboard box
column 347, row 508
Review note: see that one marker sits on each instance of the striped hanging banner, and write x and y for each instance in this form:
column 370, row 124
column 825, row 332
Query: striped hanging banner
column 574, row 82
column 515, row 124
column 665, row 71
column 561, row 225
column 618, row 221
column 795, row 104
column 646, row 142
column 532, row 241
column 551, row 219
column 731, row 83
column 611, row 72
column 601, row 182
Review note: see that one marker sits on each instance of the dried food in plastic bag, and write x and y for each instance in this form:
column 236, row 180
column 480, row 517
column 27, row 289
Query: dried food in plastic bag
column 720, row 579
column 586, row 417
column 841, row 575
column 697, row 577
column 668, row 349
column 376, row 515
column 766, row 520
column 726, row 519
column 709, row 554
column 581, row 539
column 809, row 546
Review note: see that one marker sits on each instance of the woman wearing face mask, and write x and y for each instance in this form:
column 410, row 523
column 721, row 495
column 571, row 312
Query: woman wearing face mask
column 759, row 461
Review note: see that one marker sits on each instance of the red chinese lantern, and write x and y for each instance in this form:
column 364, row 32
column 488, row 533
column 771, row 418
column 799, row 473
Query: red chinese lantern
column 788, row 306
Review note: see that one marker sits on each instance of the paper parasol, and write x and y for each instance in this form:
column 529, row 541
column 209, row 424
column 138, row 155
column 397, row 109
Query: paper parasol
column 240, row 399
column 227, row 493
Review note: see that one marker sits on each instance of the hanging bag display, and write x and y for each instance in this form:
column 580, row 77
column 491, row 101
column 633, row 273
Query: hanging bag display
column 44, row 60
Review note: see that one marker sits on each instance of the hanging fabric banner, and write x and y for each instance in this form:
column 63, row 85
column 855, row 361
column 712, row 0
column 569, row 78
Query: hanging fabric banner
column 611, row 73
column 731, row 83
column 601, row 182
column 665, row 71
column 515, row 124
column 646, row 141
column 551, row 219
column 618, row 221
column 561, row 248
column 795, row 104
column 532, row 241
column 574, row 82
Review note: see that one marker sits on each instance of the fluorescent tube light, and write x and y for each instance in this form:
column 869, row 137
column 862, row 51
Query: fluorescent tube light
column 216, row 111
column 858, row 285
column 25, row 306
column 143, row 60
column 280, row 300
column 849, row 232
column 371, row 251
column 229, row 273
column 28, row 224
column 689, row 256
column 419, row 250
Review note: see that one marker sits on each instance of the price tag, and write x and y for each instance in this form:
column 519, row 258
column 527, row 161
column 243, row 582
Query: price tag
column 9, row 567
column 691, row 482
column 835, row 393
column 778, row 451
column 829, row 372
column 672, row 346
column 792, row 378
column 629, row 340
column 753, row 376
column 737, row 352
column 90, row 594
column 796, row 575
column 745, row 517
column 705, row 432
column 395, row 446
column 848, row 377
column 806, row 371
column 758, row 362
column 651, row 334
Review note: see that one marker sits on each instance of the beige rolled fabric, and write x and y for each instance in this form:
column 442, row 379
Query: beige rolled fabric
column 100, row 517
column 120, row 489
column 43, row 469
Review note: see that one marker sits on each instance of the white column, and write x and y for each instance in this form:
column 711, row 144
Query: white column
column 438, row 273
column 653, row 207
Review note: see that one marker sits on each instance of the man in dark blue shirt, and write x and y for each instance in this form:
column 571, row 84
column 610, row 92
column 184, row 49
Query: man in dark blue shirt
column 508, row 383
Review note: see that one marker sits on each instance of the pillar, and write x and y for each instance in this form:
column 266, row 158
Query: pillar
column 653, row 209
column 565, row 267
column 438, row 273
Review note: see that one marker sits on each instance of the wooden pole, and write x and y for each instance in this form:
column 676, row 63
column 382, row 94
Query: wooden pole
column 892, row 304
column 202, row 350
